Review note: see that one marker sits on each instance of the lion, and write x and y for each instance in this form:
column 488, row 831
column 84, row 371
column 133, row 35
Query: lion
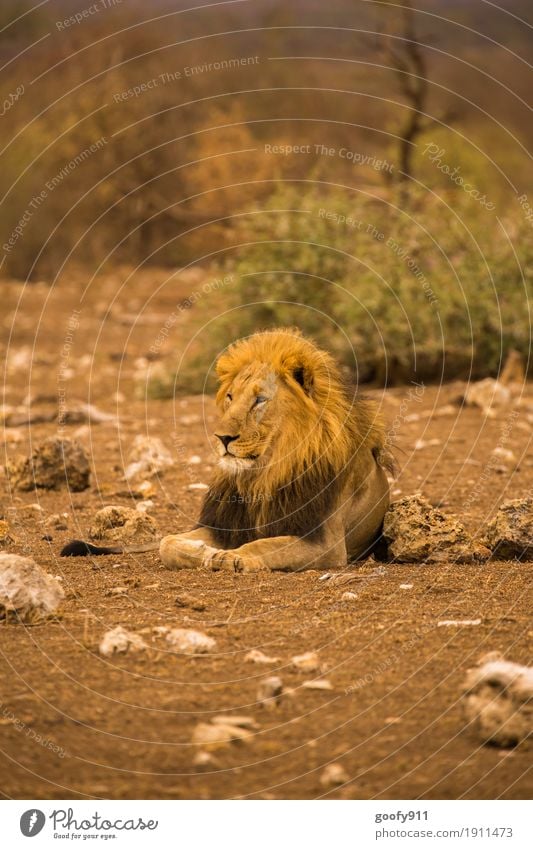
column 301, row 481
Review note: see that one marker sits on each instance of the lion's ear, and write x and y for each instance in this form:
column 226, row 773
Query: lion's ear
column 304, row 377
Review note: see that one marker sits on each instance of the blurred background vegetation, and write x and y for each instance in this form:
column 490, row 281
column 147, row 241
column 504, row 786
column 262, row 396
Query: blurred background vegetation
column 157, row 135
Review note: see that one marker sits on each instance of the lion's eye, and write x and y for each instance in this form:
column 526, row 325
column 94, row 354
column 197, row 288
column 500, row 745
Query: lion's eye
column 229, row 396
column 260, row 400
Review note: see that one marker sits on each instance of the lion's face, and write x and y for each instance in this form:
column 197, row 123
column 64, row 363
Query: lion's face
column 249, row 418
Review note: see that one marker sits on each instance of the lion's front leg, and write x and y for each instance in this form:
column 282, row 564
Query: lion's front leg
column 187, row 551
column 286, row 553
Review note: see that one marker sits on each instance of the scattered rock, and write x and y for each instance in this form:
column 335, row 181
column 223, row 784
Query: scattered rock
column 333, row 775
column 347, row 596
column 201, row 487
column 84, row 413
column 120, row 641
column 504, row 454
column 240, row 721
column 188, row 600
column 188, row 641
column 488, row 395
column 510, row 534
column 318, row 684
column 148, row 457
column 218, row 735
column 114, row 591
column 121, row 524
column 498, row 700
column 308, row 662
column 257, row 656
column 27, row 593
column 406, row 586
column 415, row 531
column 458, row 623
column 203, row 760
column 54, row 463
column 57, row 521
column 270, row 691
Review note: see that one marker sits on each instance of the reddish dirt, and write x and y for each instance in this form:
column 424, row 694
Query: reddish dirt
column 123, row 725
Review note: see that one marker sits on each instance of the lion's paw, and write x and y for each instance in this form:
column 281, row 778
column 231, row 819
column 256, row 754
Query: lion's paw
column 232, row 561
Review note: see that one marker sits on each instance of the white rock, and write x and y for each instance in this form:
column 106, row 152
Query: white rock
column 333, row 775
column 459, row 623
column 318, row 684
column 189, row 641
column 27, row 592
column 406, row 586
column 197, row 486
column 498, row 700
column 120, row 641
column 347, row 596
column 487, row 394
column 307, row 662
column 257, row 656
column 215, row 736
column 270, row 691
column 147, row 457
column 504, row 454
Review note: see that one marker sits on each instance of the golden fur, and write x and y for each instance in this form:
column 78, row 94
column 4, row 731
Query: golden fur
column 300, row 481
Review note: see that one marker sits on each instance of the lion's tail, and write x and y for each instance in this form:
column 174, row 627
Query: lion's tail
column 80, row 548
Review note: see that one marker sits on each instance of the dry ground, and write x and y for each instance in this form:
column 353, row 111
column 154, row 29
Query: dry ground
column 393, row 719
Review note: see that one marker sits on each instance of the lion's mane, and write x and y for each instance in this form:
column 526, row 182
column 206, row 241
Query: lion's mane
column 326, row 435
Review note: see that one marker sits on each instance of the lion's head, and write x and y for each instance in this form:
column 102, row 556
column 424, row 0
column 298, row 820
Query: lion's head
column 289, row 434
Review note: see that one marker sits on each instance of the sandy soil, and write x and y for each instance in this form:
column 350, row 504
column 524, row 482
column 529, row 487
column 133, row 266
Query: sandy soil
column 121, row 727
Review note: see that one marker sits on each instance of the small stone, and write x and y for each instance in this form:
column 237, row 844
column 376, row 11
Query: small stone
column 348, row 596
column 257, row 656
column 217, row 736
column 240, row 721
column 122, row 524
column 203, row 759
column 270, row 691
column 189, row 641
column 504, row 454
column 147, row 457
column 426, row 443
column 53, row 464
column 57, row 521
column 510, row 534
column 308, row 662
column 333, row 775
column 488, row 395
column 417, row 532
column 458, row 623
column 114, row 591
column 318, row 684
column 200, row 487
column 498, row 701
column 406, row 586
column 188, row 600
column 120, row 641
column 28, row 594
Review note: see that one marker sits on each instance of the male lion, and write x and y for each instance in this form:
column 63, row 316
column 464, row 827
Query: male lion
column 301, row 480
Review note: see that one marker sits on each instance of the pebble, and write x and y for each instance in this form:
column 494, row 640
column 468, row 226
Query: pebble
column 347, row 596
column 318, row 684
column 270, row 691
column 188, row 641
column 257, row 656
column 308, row 662
column 333, row 775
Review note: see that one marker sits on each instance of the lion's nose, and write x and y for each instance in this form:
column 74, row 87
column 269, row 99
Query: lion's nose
column 225, row 440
